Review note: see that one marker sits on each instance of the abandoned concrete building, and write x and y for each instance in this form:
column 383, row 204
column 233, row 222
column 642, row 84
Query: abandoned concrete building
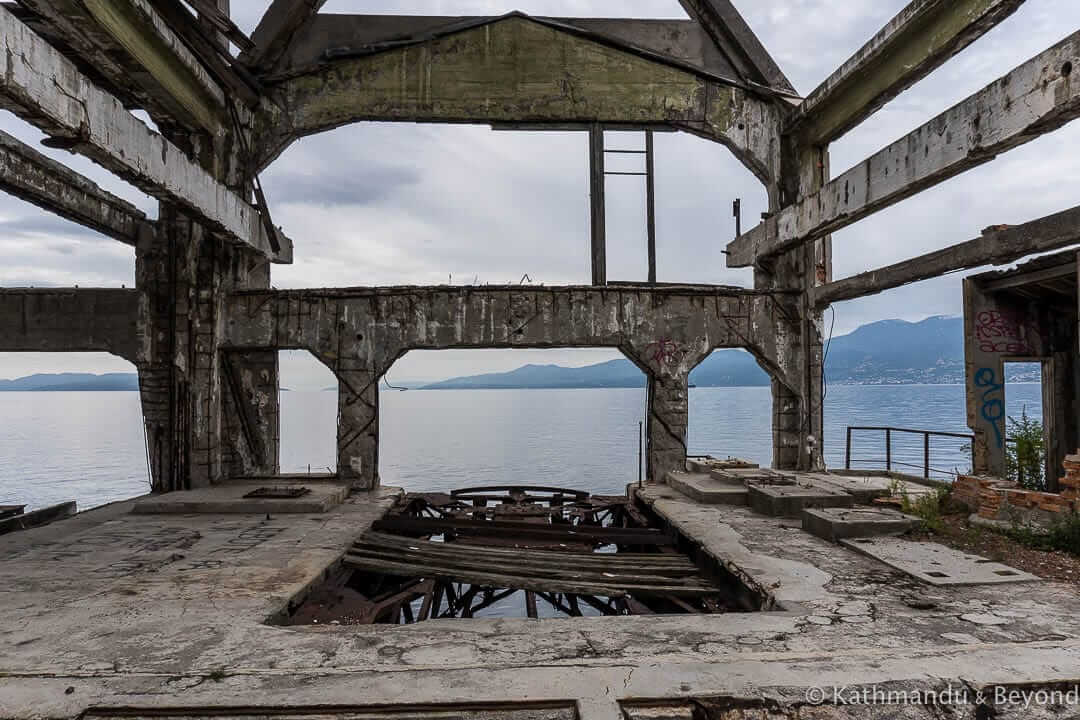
column 714, row 589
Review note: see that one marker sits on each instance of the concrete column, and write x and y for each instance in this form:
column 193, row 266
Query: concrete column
column 786, row 427
column 251, row 413
column 358, row 428
column 666, row 424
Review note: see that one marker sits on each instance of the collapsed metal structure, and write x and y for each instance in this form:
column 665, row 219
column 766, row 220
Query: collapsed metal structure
column 203, row 327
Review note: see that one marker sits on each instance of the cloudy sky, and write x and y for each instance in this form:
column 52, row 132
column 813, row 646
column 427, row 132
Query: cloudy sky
column 380, row 204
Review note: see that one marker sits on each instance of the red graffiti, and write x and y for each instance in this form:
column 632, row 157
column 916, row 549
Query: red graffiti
column 665, row 352
column 1005, row 332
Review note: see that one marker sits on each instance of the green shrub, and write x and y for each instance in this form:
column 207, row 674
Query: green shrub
column 1063, row 535
column 927, row 507
column 1025, row 453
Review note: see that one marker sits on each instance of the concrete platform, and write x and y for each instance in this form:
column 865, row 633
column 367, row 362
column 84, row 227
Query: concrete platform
column 937, row 564
column 229, row 498
column 709, row 463
column 707, row 489
column 112, row 613
column 838, row 523
column 791, row 500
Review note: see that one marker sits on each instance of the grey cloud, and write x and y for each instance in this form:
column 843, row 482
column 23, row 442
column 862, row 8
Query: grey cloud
column 364, row 185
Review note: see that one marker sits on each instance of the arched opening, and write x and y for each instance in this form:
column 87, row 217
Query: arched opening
column 71, row 429
column 730, row 408
column 308, row 414
column 463, row 204
column 565, row 418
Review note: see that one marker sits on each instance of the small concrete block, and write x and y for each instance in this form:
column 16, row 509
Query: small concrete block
column 836, row 523
column 791, row 500
column 229, row 498
column 707, row 463
column 707, row 489
column 936, row 564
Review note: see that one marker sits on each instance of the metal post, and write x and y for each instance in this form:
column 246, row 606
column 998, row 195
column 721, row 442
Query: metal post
column 847, row 455
column 888, row 449
column 926, row 455
column 596, row 205
column 640, row 443
column 650, row 204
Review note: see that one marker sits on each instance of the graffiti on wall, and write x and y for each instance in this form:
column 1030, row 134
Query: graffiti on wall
column 992, row 402
column 1006, row 332
column 665, row 352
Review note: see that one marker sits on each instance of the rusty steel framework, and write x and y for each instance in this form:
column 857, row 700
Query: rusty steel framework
column 203, row 326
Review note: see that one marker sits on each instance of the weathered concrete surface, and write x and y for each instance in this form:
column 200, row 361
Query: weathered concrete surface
column 360, row 332
column 38, row 179
column 936, row 564
column 791, row 500
column 922, row 36
column 517, row 69
column 61, row 101
column 1032, row 100
column 73, row 320
column 176, row 614
column 837, row 523
column 706, row 489
column 228, row 498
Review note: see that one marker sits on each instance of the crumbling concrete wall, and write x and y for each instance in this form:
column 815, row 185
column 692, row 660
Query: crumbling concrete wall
column 1002, row 327
column 359, row 333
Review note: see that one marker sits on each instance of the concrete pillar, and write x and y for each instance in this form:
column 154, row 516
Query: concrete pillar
column 358, row 428
column 787, row 434
column 251, row 413
column 666, row 423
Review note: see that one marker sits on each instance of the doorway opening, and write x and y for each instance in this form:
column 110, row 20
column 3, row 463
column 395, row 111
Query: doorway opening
column 730, row 408
column 1026, row 435
column 307, row 393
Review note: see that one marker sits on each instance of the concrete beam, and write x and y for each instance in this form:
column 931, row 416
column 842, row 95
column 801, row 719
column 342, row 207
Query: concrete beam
column 921, row 38
column 729, row 31
column 139, row 29
column 997, row 245
column 129, row 43
column 276, row 29
column 1037, row 97
column 72, row 320
column 518, row 69
column 45, row 88
column 31, row 176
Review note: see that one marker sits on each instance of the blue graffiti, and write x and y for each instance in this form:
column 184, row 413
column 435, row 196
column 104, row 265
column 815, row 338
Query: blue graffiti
column 993, row 408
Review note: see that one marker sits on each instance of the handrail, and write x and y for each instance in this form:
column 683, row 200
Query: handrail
column 888, row 430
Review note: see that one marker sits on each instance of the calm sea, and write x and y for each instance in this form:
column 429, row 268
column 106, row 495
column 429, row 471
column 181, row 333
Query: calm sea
column 88, row 446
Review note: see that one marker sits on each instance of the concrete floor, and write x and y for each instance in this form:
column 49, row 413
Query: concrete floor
column 118, row 610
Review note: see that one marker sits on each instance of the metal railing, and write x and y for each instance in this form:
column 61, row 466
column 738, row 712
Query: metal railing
column 890, row 462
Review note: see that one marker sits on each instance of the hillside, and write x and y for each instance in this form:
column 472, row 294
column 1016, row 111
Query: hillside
column 72, row 381
column 885, row 352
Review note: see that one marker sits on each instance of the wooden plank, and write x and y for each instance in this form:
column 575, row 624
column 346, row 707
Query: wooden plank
column 997, row 245
column 53, row 95
column 37, row 518
column 921, row 38
column 561, row 569
column 40, row 180
column 649, row 560
column 1032, row 100
column 571, row 534
column 488, row 579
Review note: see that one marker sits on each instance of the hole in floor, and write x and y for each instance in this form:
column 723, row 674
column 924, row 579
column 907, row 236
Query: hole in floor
column 521, row 551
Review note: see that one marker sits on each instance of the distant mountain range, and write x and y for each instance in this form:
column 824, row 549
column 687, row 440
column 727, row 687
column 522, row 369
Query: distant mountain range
column 72, row 381
column 886, row 352
column 891, row 352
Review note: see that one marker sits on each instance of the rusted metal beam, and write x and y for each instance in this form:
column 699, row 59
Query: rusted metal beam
column 1035, row 98
column 996, row 246
column 40, row 180
column 921, row 38
column 52, row 94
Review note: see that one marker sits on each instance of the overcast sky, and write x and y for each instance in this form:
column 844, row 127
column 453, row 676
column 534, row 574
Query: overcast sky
column 381, row 204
